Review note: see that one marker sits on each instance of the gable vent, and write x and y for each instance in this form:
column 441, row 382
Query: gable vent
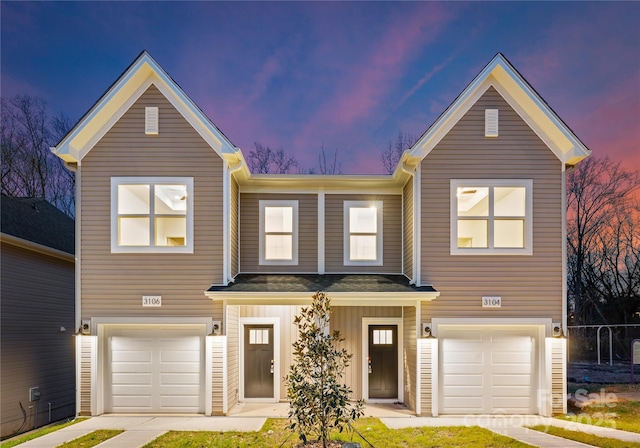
column 151, row 120
column 491, row 122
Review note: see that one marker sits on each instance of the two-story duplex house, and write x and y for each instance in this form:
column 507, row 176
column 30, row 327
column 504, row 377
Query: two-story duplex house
column 447, row 278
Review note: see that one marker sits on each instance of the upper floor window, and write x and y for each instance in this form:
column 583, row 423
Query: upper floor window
column 279, row 232
column 491, row 216
column 363, row 233
column 152, row 214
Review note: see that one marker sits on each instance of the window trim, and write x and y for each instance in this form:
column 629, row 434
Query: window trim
column 151, row 248
column 491, row 183
column 294, row 232
column 347, row 233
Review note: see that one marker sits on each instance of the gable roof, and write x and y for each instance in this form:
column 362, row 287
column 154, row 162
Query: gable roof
column 122, row 94
column 37, row 221
column 502, row 76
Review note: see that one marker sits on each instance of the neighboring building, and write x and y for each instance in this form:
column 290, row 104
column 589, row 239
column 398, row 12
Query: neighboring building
column 37, row 315
column 447, row 278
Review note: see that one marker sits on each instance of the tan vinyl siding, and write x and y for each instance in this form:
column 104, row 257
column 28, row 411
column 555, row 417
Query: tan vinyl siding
column 288, row 334
column 37, row 299
column 407, row 228
column 409, row 357
column 235, row 227
column 391, row 234
column 530, row 286
column 217, row 375
column 233, row 362
column 348, row 320
column 250, row 233
column 86, row 373
column 113, row 284
column 426, row 375
column 558, row 376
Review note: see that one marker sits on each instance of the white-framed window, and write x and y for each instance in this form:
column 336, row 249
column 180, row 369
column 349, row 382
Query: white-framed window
column 152, row 214
column 492, row 216
column 278, row 232
column 363, row 233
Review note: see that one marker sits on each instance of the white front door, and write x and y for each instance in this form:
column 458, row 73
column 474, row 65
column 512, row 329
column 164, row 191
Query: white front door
column 155, row 369
column 488, row 369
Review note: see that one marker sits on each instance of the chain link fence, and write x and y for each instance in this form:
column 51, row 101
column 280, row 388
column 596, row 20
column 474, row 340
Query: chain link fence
column 601, row 344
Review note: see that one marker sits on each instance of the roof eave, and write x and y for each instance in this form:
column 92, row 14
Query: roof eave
column 142, row 73
column 337, row 298
column 500, row 74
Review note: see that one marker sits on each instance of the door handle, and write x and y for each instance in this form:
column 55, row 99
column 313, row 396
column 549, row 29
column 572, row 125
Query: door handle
column 369, row 363
column 271, row 369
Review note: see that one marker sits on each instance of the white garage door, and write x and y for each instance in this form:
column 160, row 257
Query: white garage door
column 488, row 370
column 155, row 369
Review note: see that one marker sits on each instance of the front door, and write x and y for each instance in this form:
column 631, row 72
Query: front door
column 383, row 361
column 258, row 361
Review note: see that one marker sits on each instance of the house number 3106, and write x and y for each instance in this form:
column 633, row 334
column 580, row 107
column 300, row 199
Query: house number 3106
column 491, row 302
column 151, row 300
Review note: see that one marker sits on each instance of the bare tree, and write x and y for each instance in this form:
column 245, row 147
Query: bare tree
column 391, row 156
column 29, row 169
column 263, row 160
column 331, row 166
column 603, row 223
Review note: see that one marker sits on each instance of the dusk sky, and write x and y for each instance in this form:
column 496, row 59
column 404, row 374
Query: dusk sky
column 348, row 76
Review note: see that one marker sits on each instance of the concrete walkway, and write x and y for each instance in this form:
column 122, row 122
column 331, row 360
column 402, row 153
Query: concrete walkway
column 140, row 430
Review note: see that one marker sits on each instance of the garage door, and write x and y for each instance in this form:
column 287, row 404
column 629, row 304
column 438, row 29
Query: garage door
column 487, row 370
column 155, row 369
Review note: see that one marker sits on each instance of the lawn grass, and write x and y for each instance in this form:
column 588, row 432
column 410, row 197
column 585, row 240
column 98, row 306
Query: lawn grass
column 275, row 432
column 624, row 415
column 92, row 439
column 39, row 433
column 589, row 439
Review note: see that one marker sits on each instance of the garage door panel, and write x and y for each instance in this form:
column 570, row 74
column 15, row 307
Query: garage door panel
column 511, row 404
column 131, row 390
column 511, row 380
column 463, row 391
column 132, row 402
column 466, row 358
column 131, row 378
column 461, row 405
column 180, row 378
column 123, row 355
column 512, row 369
column 463, row 380
column 188, row 390
column 504, row 357
column 464, row 344
column 179, row 343
column 174, row 367
column 180, row 356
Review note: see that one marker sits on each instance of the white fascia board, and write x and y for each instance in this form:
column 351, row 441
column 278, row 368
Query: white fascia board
column 337, row 298
column 559, row 137
column 36, row 247
column 122, row 95
column 517, row 92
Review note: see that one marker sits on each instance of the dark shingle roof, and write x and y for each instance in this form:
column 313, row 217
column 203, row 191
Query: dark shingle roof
column 36, row 220
column 327, row 283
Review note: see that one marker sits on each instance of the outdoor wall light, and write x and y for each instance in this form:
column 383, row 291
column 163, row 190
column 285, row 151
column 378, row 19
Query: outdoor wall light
column 216, row 328
column 426, row 330
column 84, row 329
column 557, row 331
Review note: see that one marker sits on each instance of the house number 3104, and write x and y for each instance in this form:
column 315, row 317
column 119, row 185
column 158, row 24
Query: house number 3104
column 491, row 302
column 151, row 300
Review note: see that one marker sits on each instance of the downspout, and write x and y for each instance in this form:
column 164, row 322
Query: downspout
column 411, row 172
column 231, row 169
